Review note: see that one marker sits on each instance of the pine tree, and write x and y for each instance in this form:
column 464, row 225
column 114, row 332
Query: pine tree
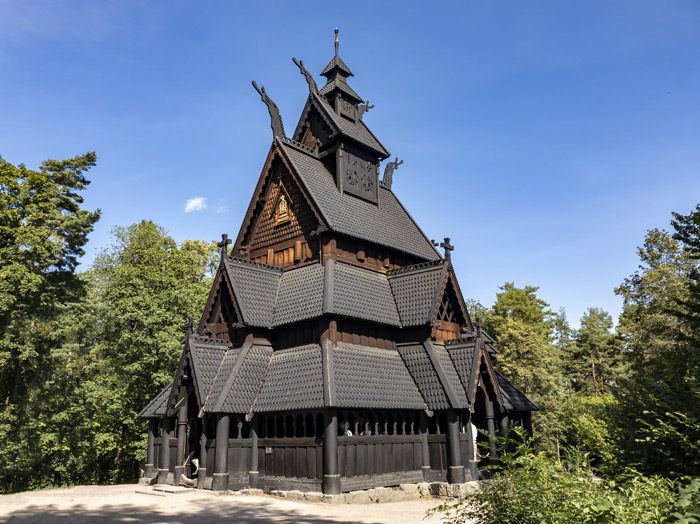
column 42, row 233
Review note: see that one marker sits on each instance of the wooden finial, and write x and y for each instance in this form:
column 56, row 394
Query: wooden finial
column 277, row 125
column 225, row 241
column 336, row 41
column 389, row 172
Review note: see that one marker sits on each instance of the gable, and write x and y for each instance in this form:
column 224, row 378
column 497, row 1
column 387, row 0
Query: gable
column 221, row 312
column 450, row 317
column 285, row 214
column 313, row 125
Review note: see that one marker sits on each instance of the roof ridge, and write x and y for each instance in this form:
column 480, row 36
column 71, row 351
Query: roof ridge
column 301, row 147
column 416, row 267
column 210, row 340
column 465, row 339
column 254, row 264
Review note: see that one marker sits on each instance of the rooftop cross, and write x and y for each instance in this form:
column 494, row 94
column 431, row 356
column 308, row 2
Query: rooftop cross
column 189, row 327
column 225, row 241
column 448, row 247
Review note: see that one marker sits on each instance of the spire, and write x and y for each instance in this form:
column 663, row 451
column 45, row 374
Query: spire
column 337, row 73
column 336, row 66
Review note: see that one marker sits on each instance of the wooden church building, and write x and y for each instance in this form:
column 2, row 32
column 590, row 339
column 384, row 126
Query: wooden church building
column 335, row 351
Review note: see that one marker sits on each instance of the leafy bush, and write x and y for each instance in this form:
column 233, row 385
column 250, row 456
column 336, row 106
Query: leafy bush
column 531, row 488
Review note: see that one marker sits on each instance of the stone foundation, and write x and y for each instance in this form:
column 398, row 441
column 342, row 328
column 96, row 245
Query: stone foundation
column 372, row 496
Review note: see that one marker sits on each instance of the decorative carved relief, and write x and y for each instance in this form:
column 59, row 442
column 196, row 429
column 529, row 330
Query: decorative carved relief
column 359, row 176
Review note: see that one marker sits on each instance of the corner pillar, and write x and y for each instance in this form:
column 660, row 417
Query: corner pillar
column 202, row 470
column 150, row 450
column 455, row 471
column 164, row 459
column 472, row 461
column 181, row 440
column 253, row 474
column 331, row 477
column 220, row 482
column 491, row 426
column 424, row 447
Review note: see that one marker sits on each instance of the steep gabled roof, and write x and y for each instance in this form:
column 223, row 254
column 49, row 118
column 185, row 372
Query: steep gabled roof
column 368, row 377
column 255, row 288
column 514, row 399
column 158, row 406
column 294, row 380
column 386, row 224
column 360, row 293
column 336, row 62
column 464, row 356
column 342, row 86
column 355, row 130
column 300, row 295
column 414, row 290
column 243, row 380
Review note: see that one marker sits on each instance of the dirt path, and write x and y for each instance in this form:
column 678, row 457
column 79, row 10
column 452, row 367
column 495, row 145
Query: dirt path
column 121, row 504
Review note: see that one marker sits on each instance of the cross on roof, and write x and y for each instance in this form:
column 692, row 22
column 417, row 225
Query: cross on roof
column 448, row 247
column 225, row 241
column 189, row 326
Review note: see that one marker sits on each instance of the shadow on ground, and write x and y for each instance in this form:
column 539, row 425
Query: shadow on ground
column 189, row 512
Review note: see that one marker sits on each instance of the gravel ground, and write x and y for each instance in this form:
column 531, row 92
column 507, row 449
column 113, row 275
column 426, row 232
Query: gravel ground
column 121, row 504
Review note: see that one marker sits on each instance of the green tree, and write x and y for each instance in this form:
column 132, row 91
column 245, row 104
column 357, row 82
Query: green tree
column 593, row 362
column 145, row 287
column 659, row 403
column 42, row 233
column 523, row 328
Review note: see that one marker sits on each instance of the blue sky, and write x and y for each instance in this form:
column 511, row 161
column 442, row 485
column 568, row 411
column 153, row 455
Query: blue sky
column 544, row 138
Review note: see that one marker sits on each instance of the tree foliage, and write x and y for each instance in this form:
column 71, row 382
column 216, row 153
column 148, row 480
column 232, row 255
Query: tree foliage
column 42, row 233
column 659, row 403
column 531, row 488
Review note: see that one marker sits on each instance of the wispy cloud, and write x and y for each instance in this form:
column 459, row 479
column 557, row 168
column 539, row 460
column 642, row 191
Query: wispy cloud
column 195, row 204
column 221, row 210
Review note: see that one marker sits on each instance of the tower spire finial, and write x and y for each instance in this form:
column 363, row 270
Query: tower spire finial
column 336, row 41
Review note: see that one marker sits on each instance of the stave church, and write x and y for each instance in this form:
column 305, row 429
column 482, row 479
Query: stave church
column 335, row 352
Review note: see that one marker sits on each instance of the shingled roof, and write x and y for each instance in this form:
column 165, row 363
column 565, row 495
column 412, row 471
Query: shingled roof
column 206, row 355
column 298, row 294
column 513, row 398
column 336, row 63
column 387, row 224
column 255, row 286
column 342, row 86
column 355, row 130
column 415, row 291
column 367, row 377
column 294, row 380
column 158, row 406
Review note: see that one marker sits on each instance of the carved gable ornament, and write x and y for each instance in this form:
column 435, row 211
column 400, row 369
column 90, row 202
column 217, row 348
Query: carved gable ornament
column 283, row 207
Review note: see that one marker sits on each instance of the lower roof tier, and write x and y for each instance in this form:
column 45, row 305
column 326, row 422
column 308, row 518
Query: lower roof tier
column 253, row 378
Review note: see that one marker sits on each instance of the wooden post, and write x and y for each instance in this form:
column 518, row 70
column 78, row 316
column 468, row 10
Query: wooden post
column 472, row 461
column 202, row 471
column 181, row 440
column 455, row 470
column 424, row 447
column 253, row 474
column 491, row 426
column 164, row 462
column 220, row 482
column 504, row 423
column 150, row 450
column 527, row 423
column 331, row 477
